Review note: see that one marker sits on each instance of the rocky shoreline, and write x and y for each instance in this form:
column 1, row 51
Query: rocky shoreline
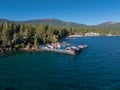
column 6, row 51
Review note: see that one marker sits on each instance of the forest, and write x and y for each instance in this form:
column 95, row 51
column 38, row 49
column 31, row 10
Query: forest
column 19, row 35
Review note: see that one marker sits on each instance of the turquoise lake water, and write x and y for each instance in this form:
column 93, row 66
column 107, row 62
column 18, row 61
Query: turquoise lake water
column 96, row 68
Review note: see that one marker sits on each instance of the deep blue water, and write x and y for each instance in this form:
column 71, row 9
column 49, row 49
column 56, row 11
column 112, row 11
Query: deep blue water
column 96, row 68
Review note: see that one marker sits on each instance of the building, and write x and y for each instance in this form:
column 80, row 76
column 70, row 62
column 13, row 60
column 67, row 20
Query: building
column 92, row 34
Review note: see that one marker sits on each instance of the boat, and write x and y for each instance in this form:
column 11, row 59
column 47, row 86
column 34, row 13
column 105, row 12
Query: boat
column 72, row 50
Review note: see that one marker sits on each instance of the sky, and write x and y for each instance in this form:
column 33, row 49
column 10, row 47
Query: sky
column 90, row 12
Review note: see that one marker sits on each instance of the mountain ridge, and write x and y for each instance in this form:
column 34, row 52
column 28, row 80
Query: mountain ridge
column 57, row 22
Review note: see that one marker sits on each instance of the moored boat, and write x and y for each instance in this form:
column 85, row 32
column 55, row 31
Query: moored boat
column 72, row 50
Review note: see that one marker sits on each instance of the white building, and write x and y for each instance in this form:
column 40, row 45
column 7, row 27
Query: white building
column 92, row 34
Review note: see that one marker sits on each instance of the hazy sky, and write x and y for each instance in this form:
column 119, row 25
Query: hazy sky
column 82, row 11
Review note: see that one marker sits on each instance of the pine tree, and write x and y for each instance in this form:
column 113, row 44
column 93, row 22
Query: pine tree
column 36, row 41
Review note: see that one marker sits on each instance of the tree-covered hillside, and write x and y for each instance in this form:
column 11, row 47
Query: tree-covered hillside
column 17, row 36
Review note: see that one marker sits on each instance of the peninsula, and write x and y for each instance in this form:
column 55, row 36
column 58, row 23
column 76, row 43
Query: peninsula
column 16, row 35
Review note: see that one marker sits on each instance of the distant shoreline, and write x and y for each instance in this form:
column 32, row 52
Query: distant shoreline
column 74, row 36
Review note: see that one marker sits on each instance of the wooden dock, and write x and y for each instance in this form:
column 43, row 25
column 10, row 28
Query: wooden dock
column 75, row 52
column 59, row 51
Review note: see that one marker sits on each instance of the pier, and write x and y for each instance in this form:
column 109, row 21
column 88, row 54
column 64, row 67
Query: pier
column 69, row 50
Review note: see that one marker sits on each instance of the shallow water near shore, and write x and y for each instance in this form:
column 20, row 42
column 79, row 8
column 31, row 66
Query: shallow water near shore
column 96, row 68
